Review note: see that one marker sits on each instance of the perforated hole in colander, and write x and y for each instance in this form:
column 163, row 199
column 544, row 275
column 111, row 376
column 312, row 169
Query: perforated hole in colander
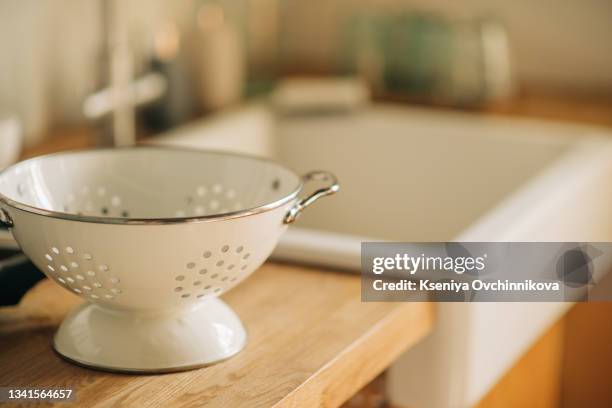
column 76, row 271
column 212, row 199
column 216, row 271
column 95, row 201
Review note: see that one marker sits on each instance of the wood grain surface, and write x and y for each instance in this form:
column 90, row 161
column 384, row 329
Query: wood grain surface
column 312, row 342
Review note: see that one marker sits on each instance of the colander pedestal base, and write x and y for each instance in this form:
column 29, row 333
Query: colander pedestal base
column 150, row 341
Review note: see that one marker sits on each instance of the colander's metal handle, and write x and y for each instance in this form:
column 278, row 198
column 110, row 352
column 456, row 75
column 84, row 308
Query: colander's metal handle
column 5, row 219
column 322, row 176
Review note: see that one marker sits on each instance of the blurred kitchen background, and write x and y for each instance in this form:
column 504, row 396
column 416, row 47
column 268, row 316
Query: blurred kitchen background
column 77, row 73
column 57, row 57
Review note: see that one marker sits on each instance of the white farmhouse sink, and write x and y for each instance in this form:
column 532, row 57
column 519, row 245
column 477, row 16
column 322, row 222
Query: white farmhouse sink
column 420, row 175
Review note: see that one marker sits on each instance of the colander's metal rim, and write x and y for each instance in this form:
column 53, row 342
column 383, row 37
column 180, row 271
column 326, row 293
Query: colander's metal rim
column 155, row 221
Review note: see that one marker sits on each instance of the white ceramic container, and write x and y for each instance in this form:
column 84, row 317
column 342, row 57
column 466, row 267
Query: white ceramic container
column 150, row 237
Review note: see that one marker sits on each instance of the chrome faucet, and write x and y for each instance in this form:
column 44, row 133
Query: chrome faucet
column 119, row 100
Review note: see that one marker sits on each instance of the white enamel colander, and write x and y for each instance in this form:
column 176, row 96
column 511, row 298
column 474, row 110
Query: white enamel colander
column 150, row 237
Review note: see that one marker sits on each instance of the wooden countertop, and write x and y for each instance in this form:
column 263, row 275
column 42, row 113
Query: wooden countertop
column 312, row 342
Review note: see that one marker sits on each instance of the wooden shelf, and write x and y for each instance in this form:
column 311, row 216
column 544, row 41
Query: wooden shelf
column 312, row 342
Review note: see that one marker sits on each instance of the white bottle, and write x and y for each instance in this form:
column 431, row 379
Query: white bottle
column 220, row 59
